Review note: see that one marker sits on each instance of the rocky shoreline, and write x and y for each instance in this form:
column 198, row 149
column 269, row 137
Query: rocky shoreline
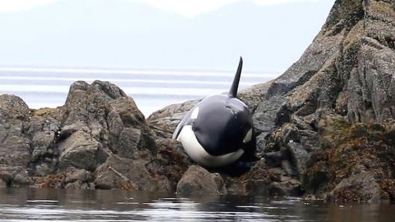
column 325, row 128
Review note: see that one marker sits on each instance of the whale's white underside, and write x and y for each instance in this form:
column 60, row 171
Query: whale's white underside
column 199, row 155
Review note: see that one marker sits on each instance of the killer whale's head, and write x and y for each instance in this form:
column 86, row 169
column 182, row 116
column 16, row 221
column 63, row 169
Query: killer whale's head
column 219, row 130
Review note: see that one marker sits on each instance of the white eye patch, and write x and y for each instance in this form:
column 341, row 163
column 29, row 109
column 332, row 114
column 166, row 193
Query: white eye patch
column 195, row 113
column 248, row 136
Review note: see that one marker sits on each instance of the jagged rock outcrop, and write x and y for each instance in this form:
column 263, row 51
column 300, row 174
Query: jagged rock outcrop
column 98, row 139
column 346, row 73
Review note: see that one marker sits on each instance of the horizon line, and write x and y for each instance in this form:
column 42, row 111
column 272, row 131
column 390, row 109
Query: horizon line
column 148, row 71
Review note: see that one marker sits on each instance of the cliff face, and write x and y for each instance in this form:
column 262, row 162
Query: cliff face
column 323, row 127
column 348, row 67
column 345, row 76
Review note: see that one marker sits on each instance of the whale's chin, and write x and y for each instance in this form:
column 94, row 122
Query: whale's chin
column 198, row 153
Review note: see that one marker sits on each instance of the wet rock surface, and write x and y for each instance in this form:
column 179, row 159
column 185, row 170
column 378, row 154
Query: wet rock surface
column 198, row 181
column 359, row 166
column 325, row 127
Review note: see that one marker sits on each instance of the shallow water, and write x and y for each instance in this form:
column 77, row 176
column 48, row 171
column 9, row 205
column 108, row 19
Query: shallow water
column 27, row 204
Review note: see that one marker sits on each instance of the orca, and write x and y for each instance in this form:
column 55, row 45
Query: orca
column 219, row 130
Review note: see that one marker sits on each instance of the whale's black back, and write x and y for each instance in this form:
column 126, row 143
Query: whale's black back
column 222, row 124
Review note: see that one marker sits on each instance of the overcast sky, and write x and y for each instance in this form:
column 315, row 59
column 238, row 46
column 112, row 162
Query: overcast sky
column 179, row 34
column 188, row 8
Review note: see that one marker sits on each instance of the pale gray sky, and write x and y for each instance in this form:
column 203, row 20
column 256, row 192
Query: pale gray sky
column 159, row 34
column 187, row 8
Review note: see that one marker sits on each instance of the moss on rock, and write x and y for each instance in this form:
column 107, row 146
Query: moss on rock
column 362, row 149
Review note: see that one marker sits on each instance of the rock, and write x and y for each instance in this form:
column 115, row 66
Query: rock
column 74, row 174
column 129, row 131
column 78, row 150
column 109, row 122
column 165, row 121
column 299, row 156
column 97, row 121
column 361, row 187
column 78, row 179
column 288, row 147
column 128, row 174
column 291, row 187
column 21, row 178
column 2, row 184
column 15, row 145
column 344, row 77
column 330, row 129
column 262, row 180
column 254, row 95
column 358, row 168
column 43, row 132
column 197, row 181
column 171, row 162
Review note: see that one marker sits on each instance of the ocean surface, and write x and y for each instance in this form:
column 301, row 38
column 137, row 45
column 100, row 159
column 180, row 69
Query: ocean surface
column 25, row 204
column 151, row 90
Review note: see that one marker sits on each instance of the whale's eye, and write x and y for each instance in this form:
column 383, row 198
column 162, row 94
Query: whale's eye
column 247, row 137
column 195, row 113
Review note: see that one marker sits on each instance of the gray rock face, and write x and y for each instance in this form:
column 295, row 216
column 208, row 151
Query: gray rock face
column 109, row 117
column 123, row 173
column 78, row 150
column 197, row 181
column 97, row 121
column 15, row 146
column 109, row 122
column 165, row 121
column 14, row 143
column 346, row 72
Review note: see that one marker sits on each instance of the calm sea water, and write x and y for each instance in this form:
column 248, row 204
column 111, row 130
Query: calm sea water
column 116, row 205
column 152, row 90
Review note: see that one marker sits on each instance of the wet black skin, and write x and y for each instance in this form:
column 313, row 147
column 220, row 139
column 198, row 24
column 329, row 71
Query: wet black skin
column 221, row 126
column 222, row 123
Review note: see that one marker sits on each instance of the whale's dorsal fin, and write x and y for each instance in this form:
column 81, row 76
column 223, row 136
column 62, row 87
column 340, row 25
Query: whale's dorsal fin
column 235, row 85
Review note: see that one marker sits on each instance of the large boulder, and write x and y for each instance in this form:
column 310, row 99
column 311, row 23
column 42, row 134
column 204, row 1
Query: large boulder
column 104, row 132
column 108, row 116
column 197, row 181
column 14, row 143
column 99, row 132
